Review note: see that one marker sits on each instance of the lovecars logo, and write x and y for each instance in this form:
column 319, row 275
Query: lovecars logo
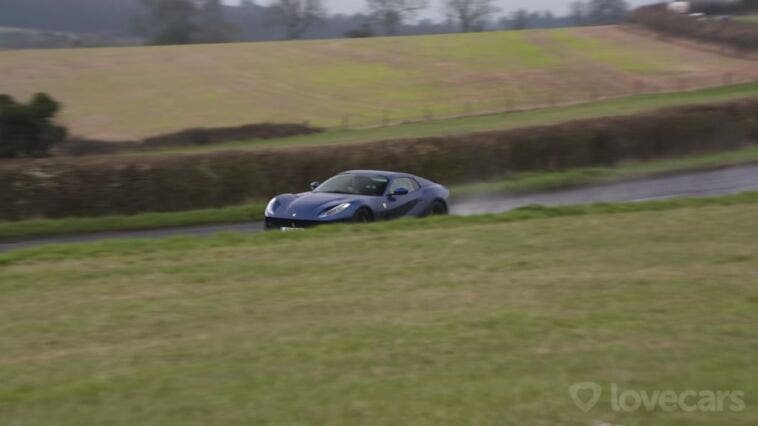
column 586, row 396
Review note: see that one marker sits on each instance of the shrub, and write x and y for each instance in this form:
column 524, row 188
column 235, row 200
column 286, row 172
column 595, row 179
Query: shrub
column 28, row 130
column 94, row 186
column 189, row 137
column 739, row 35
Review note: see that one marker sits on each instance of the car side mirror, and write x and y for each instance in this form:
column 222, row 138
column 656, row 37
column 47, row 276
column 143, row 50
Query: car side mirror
column 315, row 185
column 400, row 192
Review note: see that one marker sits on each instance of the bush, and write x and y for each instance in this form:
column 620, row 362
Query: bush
column 189, row 137
column 95, row 186
column 28, row 130
column 739, row 35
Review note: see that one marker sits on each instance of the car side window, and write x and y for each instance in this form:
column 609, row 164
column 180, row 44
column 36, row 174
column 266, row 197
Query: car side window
column 406, row 183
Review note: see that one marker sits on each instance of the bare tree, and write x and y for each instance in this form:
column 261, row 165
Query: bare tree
column 470, row 14
column 297, row 15
column 392, row 13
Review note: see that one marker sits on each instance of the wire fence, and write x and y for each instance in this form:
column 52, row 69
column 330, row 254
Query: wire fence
column 547, row 99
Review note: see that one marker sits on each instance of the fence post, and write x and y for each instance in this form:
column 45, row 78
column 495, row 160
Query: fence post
column 681, row 84
column 728, row 78
column 509, row 105
column 551, row 99
column 639, row 87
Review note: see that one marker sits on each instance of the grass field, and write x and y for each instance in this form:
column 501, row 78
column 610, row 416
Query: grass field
column 117, row 93
column 484, row 320
column 750, row 19
column 504, row 121
column 518, row 183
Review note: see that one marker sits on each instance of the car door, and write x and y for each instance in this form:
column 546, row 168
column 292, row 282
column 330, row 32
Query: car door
column 396, row 206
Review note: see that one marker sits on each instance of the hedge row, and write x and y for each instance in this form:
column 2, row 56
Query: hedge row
column 190, row 137
column 739, row 35
column 93, row 186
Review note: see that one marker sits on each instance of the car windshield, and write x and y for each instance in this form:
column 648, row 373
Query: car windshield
column 355, row 184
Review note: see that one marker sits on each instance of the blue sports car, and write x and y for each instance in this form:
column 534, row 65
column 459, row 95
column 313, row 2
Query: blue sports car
column 358, row 196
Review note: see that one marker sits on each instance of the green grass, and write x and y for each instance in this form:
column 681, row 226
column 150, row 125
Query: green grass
column 483, row 320
column 503, row 121
column 521, row 182
column 127, row 93
column 528, row 182
column 750, row 19
column 46, row 227
column 608, row 53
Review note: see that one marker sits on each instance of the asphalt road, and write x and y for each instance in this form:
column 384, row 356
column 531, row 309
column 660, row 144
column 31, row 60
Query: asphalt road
column 732, row 180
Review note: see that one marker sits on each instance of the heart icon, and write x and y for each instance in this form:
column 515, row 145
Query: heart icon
column 585, row 395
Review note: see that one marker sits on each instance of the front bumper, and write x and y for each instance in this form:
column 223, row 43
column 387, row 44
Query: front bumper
column 278, row 223
column 272, row 223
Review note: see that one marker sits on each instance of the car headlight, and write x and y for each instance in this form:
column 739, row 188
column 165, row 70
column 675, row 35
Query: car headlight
column 272, row 205
column 335, row 210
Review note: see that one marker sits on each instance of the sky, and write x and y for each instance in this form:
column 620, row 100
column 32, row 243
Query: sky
column 559, row 7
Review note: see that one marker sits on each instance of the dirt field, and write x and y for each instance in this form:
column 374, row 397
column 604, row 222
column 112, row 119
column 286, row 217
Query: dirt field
column 117, row 93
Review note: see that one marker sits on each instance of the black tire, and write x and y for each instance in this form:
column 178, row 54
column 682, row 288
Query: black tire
column 363, row 216
column 438, row 208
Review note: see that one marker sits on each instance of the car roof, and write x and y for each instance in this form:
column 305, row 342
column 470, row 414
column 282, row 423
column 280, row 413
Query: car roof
column 377, row 172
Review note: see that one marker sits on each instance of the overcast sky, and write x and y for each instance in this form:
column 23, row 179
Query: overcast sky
column 558, row 7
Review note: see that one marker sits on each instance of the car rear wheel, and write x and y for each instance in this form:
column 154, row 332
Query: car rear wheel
column 363, row 216
column 438, row 208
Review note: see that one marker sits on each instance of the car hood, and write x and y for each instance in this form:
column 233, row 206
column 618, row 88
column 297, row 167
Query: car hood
column 308, row 205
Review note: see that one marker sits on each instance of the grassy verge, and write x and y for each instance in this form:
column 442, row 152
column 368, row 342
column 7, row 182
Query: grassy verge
column 529, row 182
column 47, row 227
column 491, row 327
column 503, row 121
column 523, row 182
column 750, row 19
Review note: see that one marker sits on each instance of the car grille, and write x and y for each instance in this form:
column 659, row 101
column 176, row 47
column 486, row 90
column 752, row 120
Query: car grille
column 275, row 223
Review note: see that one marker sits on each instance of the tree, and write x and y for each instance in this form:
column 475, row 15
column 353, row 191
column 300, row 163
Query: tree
column 470, row 14
column 520, row 20
column 578, row 13
column 185, row 21
column 606, row 11
column 392, row 13
column 364, row 31
column 168, row 21
column 297, row 15
column 28, row 129
column 212, row 25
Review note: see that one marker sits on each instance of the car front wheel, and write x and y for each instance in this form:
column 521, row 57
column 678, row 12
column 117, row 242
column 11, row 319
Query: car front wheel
column 362, row 216
column 438, row 208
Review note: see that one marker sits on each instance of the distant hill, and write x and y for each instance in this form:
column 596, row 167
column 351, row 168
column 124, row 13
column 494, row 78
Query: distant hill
column 23, row 38
column 77, row 16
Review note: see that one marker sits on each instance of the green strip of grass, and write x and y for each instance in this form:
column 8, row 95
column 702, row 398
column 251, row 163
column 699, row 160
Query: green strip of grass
column 750, row 19
column 530, row 182
column 503, row 121
column 74, row 250
column 443, row 322
column 48, row 227
column 519, row 183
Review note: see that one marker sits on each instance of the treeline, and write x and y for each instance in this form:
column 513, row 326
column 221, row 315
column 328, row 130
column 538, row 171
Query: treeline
column 716, row 7
column 196, row 21
column 735, row 34
column 94, row 186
